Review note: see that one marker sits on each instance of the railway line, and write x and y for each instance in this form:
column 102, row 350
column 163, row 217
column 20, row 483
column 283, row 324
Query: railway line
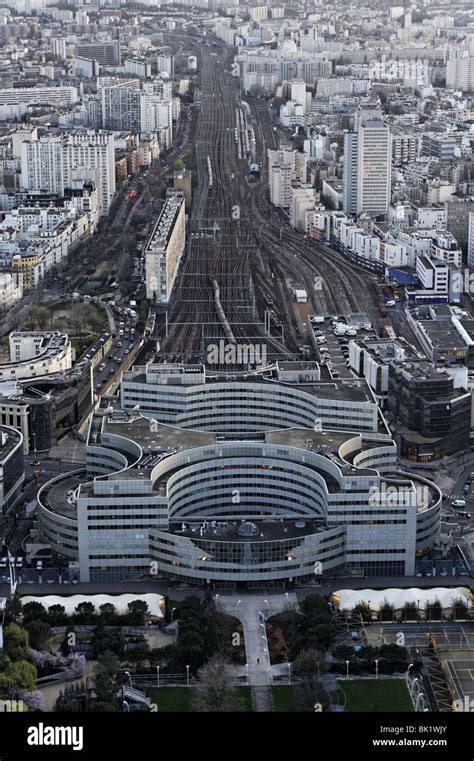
column 240, row 258
column 221, row 243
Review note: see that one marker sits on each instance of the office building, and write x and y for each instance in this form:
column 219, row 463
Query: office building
column 61, row 95
column 460, row 74
column 459, row 207
column 36, row 353
column 349, row 203
column 165, row 248
column 12, row 467
column 120, row 101
column 470, row 241
column 221, row 495
column 367, row 165
column 431, row 417
column 53, row 162
column 106, row 53
column 439, row 146
column 285, row 167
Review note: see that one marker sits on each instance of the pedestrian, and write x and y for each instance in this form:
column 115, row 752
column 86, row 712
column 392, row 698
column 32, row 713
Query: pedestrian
column 258, row 661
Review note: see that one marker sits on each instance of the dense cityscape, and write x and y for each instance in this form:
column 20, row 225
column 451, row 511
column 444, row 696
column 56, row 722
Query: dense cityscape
column 236, row 360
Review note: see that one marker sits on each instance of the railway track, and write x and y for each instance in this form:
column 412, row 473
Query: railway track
column 221, row 243
column 240, row 249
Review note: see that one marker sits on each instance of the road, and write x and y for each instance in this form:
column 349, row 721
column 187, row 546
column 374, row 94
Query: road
column 163, row 587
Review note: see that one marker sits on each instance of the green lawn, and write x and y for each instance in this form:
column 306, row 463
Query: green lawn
column 376, row 695
column 181, row 699
column 284, row 699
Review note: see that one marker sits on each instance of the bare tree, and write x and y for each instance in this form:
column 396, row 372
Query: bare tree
column 80, row 315
column 308, row 667
column 41, row 316
column 215, row 693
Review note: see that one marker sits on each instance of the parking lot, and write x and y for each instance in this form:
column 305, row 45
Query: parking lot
column 333, row 350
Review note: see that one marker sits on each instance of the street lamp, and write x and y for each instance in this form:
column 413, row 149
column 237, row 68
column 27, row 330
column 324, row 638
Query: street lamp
column 187, row 676
column 127, row 673
column 289, row 673
column 347, row 669
column 158, row 675
column 247, row 672
column 377, row 668
column 172, row 613
column 238, row 603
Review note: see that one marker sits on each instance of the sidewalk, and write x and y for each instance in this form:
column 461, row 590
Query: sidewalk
column 252, row 612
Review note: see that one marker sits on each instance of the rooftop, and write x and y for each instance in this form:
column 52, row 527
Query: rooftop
column 166, row 221
column 221, row 531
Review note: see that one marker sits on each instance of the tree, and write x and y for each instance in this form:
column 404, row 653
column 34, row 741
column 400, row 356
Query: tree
column 321, row 635
column 59, row 323
column 138, row 610
column 41, row 316
column 80, row 314
column 215, row 693
column 386, row 611
column 19, row 674
column 343, row 652
column 85, row 613
column 108, row 614
column 138, row 655
column 104, row 270
column 363, row 609
column 434, row 610
column 309, row 667
column 460, row 608
column 105, row 682
column 67, row 704
column 38, row 633
column 410, row 612
column 14, row 608
column 15, row 642
column 107, row 640
column 34, row 611
column 315, row 608
column 107, row 663
column 57, row 615
column 396, row 656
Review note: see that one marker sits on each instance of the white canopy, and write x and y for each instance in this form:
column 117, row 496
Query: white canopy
column 347, row 599
column 120, row 601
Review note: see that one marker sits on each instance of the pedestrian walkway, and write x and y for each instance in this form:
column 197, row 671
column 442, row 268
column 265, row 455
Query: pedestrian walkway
column 253, row 611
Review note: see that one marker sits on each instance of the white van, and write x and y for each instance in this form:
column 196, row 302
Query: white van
column 458, row 503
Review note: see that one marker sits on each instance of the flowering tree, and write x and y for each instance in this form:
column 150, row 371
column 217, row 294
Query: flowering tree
column 49, row 663
column 33, row 698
